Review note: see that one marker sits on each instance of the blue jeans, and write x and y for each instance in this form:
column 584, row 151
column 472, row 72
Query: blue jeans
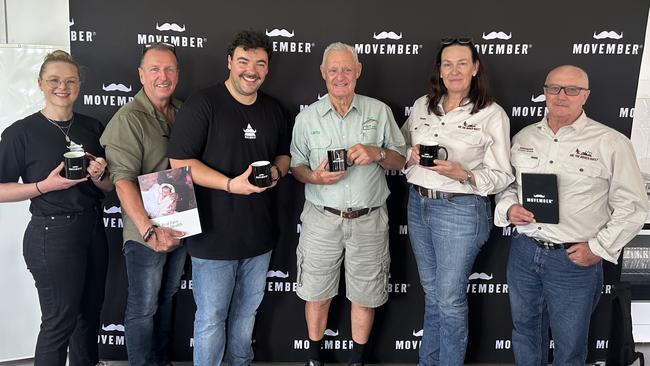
column 547, row 288
column 229, row 290
column 153, row 279
column 68, row 257
column 446, row 236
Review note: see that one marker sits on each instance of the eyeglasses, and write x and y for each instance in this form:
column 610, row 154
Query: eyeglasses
column 159, row 45
column 571, row 91
column 448, row 41
column 69, row 83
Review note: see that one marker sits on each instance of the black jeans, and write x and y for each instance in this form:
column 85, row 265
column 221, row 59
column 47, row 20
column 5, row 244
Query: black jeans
column 68, row 258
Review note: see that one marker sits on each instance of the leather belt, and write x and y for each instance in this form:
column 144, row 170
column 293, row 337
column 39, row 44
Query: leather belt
column 349, row 213
column 550, row 245
column 433, row 194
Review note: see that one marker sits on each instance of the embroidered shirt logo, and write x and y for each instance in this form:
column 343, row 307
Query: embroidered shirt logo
column 585, row 154
column 249, row 132
column 469, row 126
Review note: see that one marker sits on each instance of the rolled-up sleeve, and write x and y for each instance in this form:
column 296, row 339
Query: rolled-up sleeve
column 123, row 143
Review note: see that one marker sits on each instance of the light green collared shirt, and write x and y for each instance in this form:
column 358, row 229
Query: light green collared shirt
column 320, row 128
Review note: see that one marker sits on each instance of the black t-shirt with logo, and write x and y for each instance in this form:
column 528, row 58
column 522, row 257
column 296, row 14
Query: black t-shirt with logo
column 32, row 147
column 228, row 136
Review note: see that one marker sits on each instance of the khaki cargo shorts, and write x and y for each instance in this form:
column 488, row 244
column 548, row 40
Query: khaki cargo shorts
column 361, row 244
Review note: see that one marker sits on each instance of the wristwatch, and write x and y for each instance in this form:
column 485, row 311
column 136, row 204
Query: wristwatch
column 468, row 178
column 382, row 155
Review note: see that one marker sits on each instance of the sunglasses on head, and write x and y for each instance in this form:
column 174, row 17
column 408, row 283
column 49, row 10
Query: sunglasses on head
column 448, row 41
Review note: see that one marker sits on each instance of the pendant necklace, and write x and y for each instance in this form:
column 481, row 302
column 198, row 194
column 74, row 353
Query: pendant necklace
column 67, row 129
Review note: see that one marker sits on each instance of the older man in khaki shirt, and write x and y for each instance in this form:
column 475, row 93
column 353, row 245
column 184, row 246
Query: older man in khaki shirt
column 555, row 270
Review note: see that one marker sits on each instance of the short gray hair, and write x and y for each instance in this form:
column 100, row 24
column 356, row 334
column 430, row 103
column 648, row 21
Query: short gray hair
column 339, row 46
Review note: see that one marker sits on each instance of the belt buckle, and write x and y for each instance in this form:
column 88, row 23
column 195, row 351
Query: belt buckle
column 426, row 192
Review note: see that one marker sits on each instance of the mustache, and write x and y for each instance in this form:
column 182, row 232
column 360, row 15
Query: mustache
column 419, row 333
column 170, row 27
column 118, row 87
column 480, row 276
column 497, row 35
column 280, row 33
column 331, row 333
column 385, row 35
column 257, row 77
column 113, row 210
column 71, row 23
column 537, row 99
column 608, row 34
column 278, row 274
column 113, row 327
column 321, row 96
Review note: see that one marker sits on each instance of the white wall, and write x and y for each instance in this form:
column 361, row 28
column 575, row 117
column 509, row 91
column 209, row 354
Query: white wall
column 37, row 22
column 28, row 30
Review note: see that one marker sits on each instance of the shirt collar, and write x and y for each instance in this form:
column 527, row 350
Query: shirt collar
column 325, row 105
column 577, row 126
column 465, row 106
column 143, row 104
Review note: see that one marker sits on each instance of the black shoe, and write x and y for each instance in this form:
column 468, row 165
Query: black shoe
column 314, row 363
column 356, row 364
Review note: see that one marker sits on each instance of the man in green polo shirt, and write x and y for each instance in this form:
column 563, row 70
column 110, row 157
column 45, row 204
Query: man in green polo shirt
column 344, row 218
column 135, row 141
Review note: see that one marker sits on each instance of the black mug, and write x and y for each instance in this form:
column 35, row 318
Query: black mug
column 430, row 152
column 337, row 160
column 261, row 175
column 76, row 163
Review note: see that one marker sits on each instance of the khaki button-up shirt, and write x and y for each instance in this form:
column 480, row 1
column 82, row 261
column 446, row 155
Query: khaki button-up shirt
column 601, row 193
column 479, row 142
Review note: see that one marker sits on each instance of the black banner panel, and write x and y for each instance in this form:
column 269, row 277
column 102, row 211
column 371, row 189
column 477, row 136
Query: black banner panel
column 519, row 42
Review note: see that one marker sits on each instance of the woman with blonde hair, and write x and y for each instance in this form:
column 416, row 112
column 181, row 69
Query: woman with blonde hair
column 64, row 245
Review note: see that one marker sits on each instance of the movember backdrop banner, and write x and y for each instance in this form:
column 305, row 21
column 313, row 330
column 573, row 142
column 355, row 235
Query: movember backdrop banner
column 518, row 42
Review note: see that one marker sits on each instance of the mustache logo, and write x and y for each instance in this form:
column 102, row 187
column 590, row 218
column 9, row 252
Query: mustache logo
column 608, row 34
column 387, row 35
column 331, row 333
column 419, row 333
column 113, row 327
column 170, row 27
column 480, row 276
column 71, row 23
column 537, row 99
column 278, row 274
column 280, row 33
column 118, row 87
column 113, row 210
column 497, row 35
column 321, row 96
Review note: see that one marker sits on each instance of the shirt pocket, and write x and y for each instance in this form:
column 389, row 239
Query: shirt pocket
column 370, row 133
column 318, row 146
column 584, row 178
column 419, row 131
column 524, row 163
column 466, row 146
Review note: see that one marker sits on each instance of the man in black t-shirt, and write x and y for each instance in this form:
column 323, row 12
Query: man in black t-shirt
column 219, row 132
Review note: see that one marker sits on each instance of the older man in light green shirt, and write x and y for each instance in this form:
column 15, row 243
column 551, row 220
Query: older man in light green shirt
column 345, row 212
